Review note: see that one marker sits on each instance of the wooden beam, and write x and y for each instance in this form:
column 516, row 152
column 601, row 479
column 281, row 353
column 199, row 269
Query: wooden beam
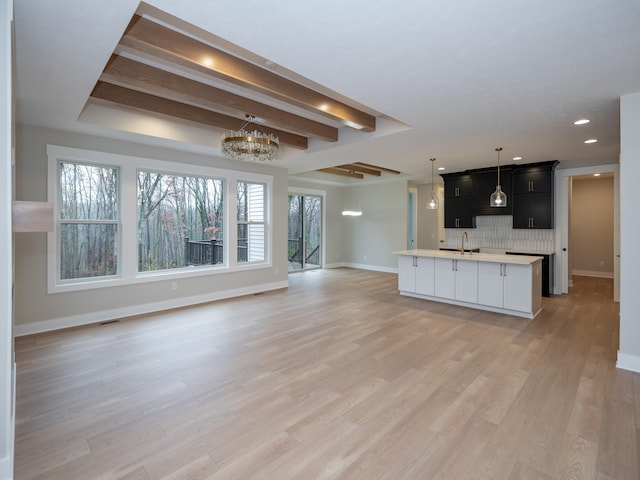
column 357, row 168
column 149, row 37
column 142, row 101
column 32, row 216
column 337, row 171
column 384, row 169
column 145, row 78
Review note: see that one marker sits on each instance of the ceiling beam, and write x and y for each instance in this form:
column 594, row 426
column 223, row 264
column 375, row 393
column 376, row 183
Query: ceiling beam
column 151, row 103
column 384, row 169
column 149, row 37
column 337, row 171
column 145, row 78
column 357, row 168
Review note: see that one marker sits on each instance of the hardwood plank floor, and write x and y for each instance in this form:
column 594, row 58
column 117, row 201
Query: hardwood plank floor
column 337, row 376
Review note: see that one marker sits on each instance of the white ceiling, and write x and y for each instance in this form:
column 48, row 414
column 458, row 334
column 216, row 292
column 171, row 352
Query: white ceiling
column 452, row 80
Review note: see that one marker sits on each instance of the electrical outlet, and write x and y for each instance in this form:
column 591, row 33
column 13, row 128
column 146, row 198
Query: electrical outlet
column 602, row 263
column 174, row 285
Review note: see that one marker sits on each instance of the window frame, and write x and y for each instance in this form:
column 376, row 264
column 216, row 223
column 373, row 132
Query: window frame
column 248, row 223
column 128, row 167
column 59, row 222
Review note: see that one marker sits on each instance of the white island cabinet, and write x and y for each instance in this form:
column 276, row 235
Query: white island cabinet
column 500, row 283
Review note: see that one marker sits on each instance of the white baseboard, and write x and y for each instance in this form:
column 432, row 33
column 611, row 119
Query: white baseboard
column 6, row 468
column 375, row 268
column 334, row 265
column 590, row 273
column 112, row 314
column 628, row 362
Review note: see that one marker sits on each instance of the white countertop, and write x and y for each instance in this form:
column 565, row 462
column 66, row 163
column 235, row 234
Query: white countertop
column 484, row 257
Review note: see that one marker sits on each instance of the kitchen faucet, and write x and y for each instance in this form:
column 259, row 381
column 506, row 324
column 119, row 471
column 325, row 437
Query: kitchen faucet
column 464, row 234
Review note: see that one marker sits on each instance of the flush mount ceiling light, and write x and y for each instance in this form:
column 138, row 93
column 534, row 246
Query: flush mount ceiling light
column 582, row 121
column 498, row 198
column 249, row 145
column 433, row 203
column 517, row 158
column 591, row 140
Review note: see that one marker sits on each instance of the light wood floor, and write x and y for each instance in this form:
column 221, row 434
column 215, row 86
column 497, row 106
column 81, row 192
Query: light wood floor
column 336, row 377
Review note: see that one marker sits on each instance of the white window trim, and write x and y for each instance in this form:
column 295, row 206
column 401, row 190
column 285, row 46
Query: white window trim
column 127, row 250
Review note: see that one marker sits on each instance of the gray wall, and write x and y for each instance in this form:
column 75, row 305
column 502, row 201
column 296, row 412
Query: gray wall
column 32, row 303
column 430, row 222
column 371, row 239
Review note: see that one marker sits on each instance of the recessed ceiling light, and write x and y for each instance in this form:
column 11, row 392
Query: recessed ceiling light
column 596, row 174
column 582, row 121
column 591, row 140
column 517, row 158
column 440, row 168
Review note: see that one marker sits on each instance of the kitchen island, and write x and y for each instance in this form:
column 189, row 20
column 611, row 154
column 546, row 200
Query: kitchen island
column 510, row 284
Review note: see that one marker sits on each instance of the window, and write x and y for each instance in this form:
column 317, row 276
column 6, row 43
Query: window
column 125, row 220
column 88, row 220
column 251, row 222
column 179, row 221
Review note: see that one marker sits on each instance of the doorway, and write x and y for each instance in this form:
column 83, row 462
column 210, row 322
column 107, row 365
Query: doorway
column 304, row 239
column 564, row 231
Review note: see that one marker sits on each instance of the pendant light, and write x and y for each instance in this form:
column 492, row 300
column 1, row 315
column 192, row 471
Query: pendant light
column 433, row 203
column 498, row 198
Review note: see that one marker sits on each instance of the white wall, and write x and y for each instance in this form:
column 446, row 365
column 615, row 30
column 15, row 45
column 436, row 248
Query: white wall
column 629, row 352
column 6, row 322
column 35, row 310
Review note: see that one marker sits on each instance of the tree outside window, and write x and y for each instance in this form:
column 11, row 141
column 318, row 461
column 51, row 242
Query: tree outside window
column 89, row 219
column 180, row 221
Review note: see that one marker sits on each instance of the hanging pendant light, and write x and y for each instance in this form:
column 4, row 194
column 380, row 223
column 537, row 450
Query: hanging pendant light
column 433, row 203
column 498, row 198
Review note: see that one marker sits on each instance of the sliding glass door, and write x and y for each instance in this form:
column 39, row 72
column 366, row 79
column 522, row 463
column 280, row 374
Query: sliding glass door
column 305, row 232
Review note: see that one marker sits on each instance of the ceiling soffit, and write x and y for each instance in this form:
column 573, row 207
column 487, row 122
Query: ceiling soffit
column 158, row 68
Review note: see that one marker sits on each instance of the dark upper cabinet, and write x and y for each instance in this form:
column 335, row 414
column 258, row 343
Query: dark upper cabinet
column 529, row 190
column 458, row 200
column 457, row 185
column 533, row 202
column 484, row 184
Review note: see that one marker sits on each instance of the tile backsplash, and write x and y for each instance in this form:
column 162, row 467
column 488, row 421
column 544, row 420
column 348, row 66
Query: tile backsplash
column 496, row 232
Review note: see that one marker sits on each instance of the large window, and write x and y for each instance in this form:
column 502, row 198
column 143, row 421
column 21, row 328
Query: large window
column 180, row 221
column 88, row 220
column 124, row 220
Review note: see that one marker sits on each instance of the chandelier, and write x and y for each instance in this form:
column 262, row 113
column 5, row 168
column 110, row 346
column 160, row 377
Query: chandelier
column 247, row 144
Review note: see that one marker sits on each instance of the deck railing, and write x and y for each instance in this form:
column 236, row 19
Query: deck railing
column 210, row 252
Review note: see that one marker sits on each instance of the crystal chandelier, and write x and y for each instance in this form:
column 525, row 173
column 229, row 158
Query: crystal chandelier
column 247, row 144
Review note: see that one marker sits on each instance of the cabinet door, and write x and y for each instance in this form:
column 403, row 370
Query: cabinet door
column 458, row 213
column 541, row 180
column 445, row 278
column 491, row 284
column 406, row 273
column 518, row 287
column 522, row 210
column 425, row 276
column 541, row 210
column 467, row 280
